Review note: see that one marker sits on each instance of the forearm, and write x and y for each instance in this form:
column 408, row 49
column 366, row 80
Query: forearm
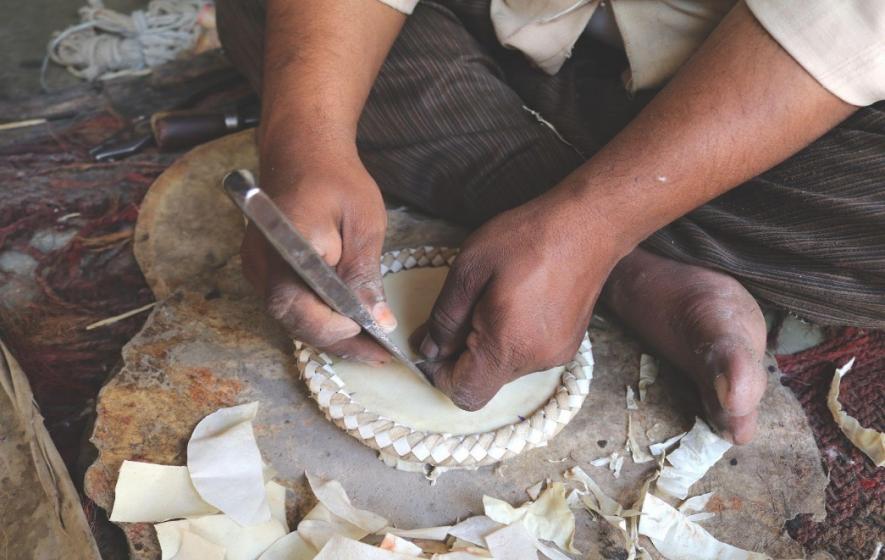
column 321, row 59
column 740, row 106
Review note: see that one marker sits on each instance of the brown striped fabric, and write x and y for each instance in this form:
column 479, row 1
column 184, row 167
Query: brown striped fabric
column 452, row 127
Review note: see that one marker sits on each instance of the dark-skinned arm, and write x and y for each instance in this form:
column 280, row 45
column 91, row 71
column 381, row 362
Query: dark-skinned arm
column 321, row 59
column 520, row 295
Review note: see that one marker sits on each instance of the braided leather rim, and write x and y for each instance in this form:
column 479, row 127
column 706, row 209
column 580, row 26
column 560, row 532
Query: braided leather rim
column 441, row 449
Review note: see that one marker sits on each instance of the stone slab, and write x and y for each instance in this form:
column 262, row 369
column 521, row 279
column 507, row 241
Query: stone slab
column 208, row 344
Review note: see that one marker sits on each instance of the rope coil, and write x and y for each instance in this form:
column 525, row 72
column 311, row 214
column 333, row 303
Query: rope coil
column 108, row 44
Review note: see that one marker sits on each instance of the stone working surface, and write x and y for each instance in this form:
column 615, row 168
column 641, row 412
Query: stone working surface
column 208, row 344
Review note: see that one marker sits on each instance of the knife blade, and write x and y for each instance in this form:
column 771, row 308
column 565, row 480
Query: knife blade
column 240, row 186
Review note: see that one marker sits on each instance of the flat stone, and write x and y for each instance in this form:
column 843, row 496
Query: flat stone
column 208, row 345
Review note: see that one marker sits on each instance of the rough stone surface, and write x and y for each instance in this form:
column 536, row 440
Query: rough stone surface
column 209, row 345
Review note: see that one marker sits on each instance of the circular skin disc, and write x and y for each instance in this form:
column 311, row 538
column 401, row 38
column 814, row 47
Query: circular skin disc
column 391, row 409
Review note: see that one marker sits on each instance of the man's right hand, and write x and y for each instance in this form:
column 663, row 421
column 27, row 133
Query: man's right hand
column 338, row 208
column 320, row 61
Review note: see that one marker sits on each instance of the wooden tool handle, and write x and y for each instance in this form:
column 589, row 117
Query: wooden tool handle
column 174, row 131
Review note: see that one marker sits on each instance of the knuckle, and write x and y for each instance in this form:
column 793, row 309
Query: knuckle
column 554, row 358
column 365, row 222
column 468, row 401
column 466, row 272
column 489, row 349
column 370, row 225
column 442, row 323
column 476, row 391
column 282, row 300
column 523, row 358
column 289, row 304
column 279, row 301
column 561, row 357
column 557, row 354
column 361, row 274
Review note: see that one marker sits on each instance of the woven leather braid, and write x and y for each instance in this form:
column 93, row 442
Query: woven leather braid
column 440, row 449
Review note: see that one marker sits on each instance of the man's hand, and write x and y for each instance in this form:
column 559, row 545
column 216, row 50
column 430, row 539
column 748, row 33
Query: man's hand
column 320, row 61
column 517, row 300
column 340, row 211
column 520, row 294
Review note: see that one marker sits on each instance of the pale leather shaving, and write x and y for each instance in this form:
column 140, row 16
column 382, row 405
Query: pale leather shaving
column 676, row 537
column 548, row 518
column 868, row 440
column 225, row 464
column 648, row 374
column 697, row 452
column 153, row 493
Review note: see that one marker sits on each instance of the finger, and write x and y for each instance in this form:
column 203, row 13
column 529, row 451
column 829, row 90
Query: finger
column 464, row 380
column 449, row 322
column 417, row 337
column 255, row 254
column 473, row 377
column 318, row 226
column 304, row 316
column 360, row 268
column 361, row 348
column 740, row 385
column 736, row 429
column 741, row 429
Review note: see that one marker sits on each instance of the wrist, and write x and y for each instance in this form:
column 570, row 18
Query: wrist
column 289, row 157
column 307, row 140
column 599, row 221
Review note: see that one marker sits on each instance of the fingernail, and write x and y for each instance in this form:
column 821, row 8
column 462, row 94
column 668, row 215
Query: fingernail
column 428, row 348
column 723, row 388
column 384, row 315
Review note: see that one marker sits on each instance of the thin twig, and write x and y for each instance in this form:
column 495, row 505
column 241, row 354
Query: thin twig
column 112, row 320
column 21, row 124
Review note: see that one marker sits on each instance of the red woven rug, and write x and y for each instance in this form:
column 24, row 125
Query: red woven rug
column 56, row 191
column 856, row 493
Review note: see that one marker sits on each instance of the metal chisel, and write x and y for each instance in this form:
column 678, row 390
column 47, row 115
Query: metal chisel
column 307, row 263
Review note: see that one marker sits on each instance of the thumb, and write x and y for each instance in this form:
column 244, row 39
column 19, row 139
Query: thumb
column 468, row 380
column 320, row 228
column 449, row 322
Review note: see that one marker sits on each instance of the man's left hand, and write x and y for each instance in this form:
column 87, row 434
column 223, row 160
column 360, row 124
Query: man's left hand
column 518, row 298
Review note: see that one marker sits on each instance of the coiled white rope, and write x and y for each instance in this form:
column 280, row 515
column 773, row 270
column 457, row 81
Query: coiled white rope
column 108, row 44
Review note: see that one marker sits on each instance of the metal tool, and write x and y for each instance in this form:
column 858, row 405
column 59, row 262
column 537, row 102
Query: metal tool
column 307, row 263
column 176, row 130
column 132, row 139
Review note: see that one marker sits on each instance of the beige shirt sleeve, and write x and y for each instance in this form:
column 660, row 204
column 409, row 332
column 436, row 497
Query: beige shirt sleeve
column 404, row 6
column 841, row 43
column 660, row 36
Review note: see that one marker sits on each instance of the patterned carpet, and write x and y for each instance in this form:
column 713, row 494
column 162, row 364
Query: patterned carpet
column 856, row 494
